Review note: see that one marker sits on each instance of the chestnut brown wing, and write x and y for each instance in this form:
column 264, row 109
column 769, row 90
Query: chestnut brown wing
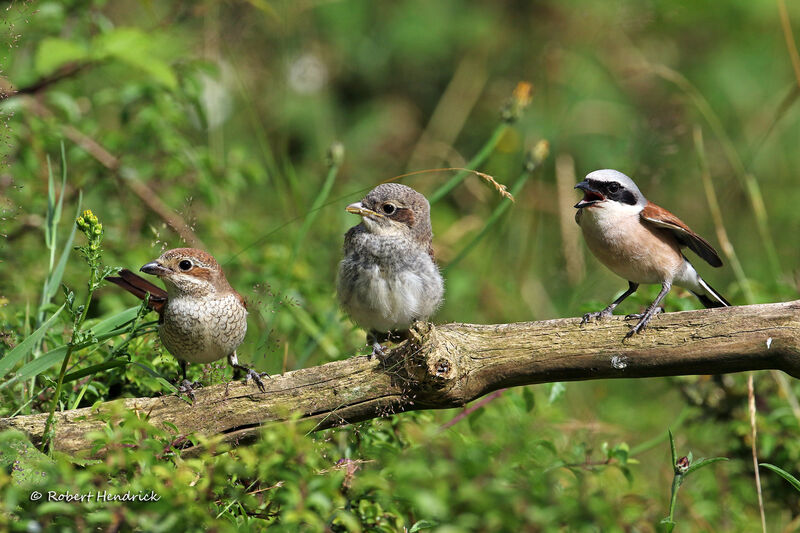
column 138, row 286
column 658, row 216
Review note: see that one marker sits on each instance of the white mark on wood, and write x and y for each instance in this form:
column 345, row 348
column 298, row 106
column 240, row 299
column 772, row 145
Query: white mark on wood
column 619, row 361
column 769, row 342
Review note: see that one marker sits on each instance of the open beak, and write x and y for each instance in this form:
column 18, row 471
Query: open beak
column 359, row 209
column 591, row 195
column 155, row 269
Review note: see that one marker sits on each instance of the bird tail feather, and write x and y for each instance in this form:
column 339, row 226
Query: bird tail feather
column 711, row 298
column 140, row 287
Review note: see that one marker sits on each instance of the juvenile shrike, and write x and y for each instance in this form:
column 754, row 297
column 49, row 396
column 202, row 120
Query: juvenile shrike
column 201, row 318
column 640, row 242
column 388, row 278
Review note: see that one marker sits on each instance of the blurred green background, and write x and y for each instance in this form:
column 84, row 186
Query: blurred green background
column 211, row 121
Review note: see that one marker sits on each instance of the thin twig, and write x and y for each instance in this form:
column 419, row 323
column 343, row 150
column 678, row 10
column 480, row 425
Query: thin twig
column 786, row 26
column 573, row 256
column 751, row 396
column 471, row 409
column 716, row 216
column 112, row 163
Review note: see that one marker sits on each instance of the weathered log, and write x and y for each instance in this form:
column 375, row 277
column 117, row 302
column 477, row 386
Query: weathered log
column 449, row 365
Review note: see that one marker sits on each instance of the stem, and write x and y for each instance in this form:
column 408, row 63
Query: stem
column 333, row 170
column 676, row 484
column 47, row 441
column 493, row 218
column 479, row 158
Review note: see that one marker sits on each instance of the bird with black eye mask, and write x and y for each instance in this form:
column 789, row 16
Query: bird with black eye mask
column 640, row 242
column 388, row 278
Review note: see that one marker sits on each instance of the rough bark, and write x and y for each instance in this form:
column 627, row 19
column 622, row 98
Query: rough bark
column 449, row 365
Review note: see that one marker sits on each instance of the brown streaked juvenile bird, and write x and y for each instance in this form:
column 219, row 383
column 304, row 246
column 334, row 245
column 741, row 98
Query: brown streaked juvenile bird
column 201, row 318
column 640, row 242
column 388, row 278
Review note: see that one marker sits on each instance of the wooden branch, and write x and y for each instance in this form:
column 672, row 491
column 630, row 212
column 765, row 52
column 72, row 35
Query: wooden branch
column 449, row 365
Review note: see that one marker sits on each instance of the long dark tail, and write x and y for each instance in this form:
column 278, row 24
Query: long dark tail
column 139, row 287
column 712, row 298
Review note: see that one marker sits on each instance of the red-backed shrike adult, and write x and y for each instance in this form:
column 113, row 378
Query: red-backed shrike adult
column 640, row 242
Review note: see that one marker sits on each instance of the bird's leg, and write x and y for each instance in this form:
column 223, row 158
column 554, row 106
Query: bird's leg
column 377, row 349
column 607, row 312
column 185, row 386
column 251, row 374
column 651, row 311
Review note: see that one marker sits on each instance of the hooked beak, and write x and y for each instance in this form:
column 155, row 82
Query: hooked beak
column 155, row 269
column 359, row 209
column 591, row 195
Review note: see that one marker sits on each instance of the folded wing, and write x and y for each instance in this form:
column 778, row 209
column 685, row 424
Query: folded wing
column 660, row 217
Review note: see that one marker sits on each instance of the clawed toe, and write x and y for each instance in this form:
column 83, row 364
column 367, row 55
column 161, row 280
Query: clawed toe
column 596, row 316
column 636, row 329
column 644, row 320
column 252, row 375
column 188, row 387
column 377, row 351
column 639, row 316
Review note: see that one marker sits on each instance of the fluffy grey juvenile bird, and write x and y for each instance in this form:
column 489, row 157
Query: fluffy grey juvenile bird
column 640, row 242
column 388, row 278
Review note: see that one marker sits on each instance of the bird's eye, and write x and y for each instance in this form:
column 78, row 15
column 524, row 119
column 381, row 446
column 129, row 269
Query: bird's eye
column 185, row 265
column 613, row 187
column 389, row 209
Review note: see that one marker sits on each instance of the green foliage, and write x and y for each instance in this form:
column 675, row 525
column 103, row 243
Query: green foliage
column 784, row 474
column 684, row 466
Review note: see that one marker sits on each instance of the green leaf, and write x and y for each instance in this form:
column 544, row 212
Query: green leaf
column 54, row 280
column 530, row 401
column 54, row 356
column 116, row 321
column 784, row 474
column 54, row 53
column 18, row 454
column 164, row 383
column 24, row 348
column 672, row 448
column 420, row 525
column 700, row 463
column 668, row 524
column 620, row 452
column 557, row 390
column 134, row 47
column 78, row 374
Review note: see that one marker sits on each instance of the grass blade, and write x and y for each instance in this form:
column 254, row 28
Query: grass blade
column 115, row 322
column 25, row 347
column 54, row 356
column 78, row 374
column 54, row 280
column 784, row 474
column 473, row 163
column 335, row 156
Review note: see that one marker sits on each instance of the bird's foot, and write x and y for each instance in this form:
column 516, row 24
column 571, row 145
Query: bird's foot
column 252, row 375
column 596, row 316
column 188, row 387
column 377, row 351
column 647, row 313
column 644, row 319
